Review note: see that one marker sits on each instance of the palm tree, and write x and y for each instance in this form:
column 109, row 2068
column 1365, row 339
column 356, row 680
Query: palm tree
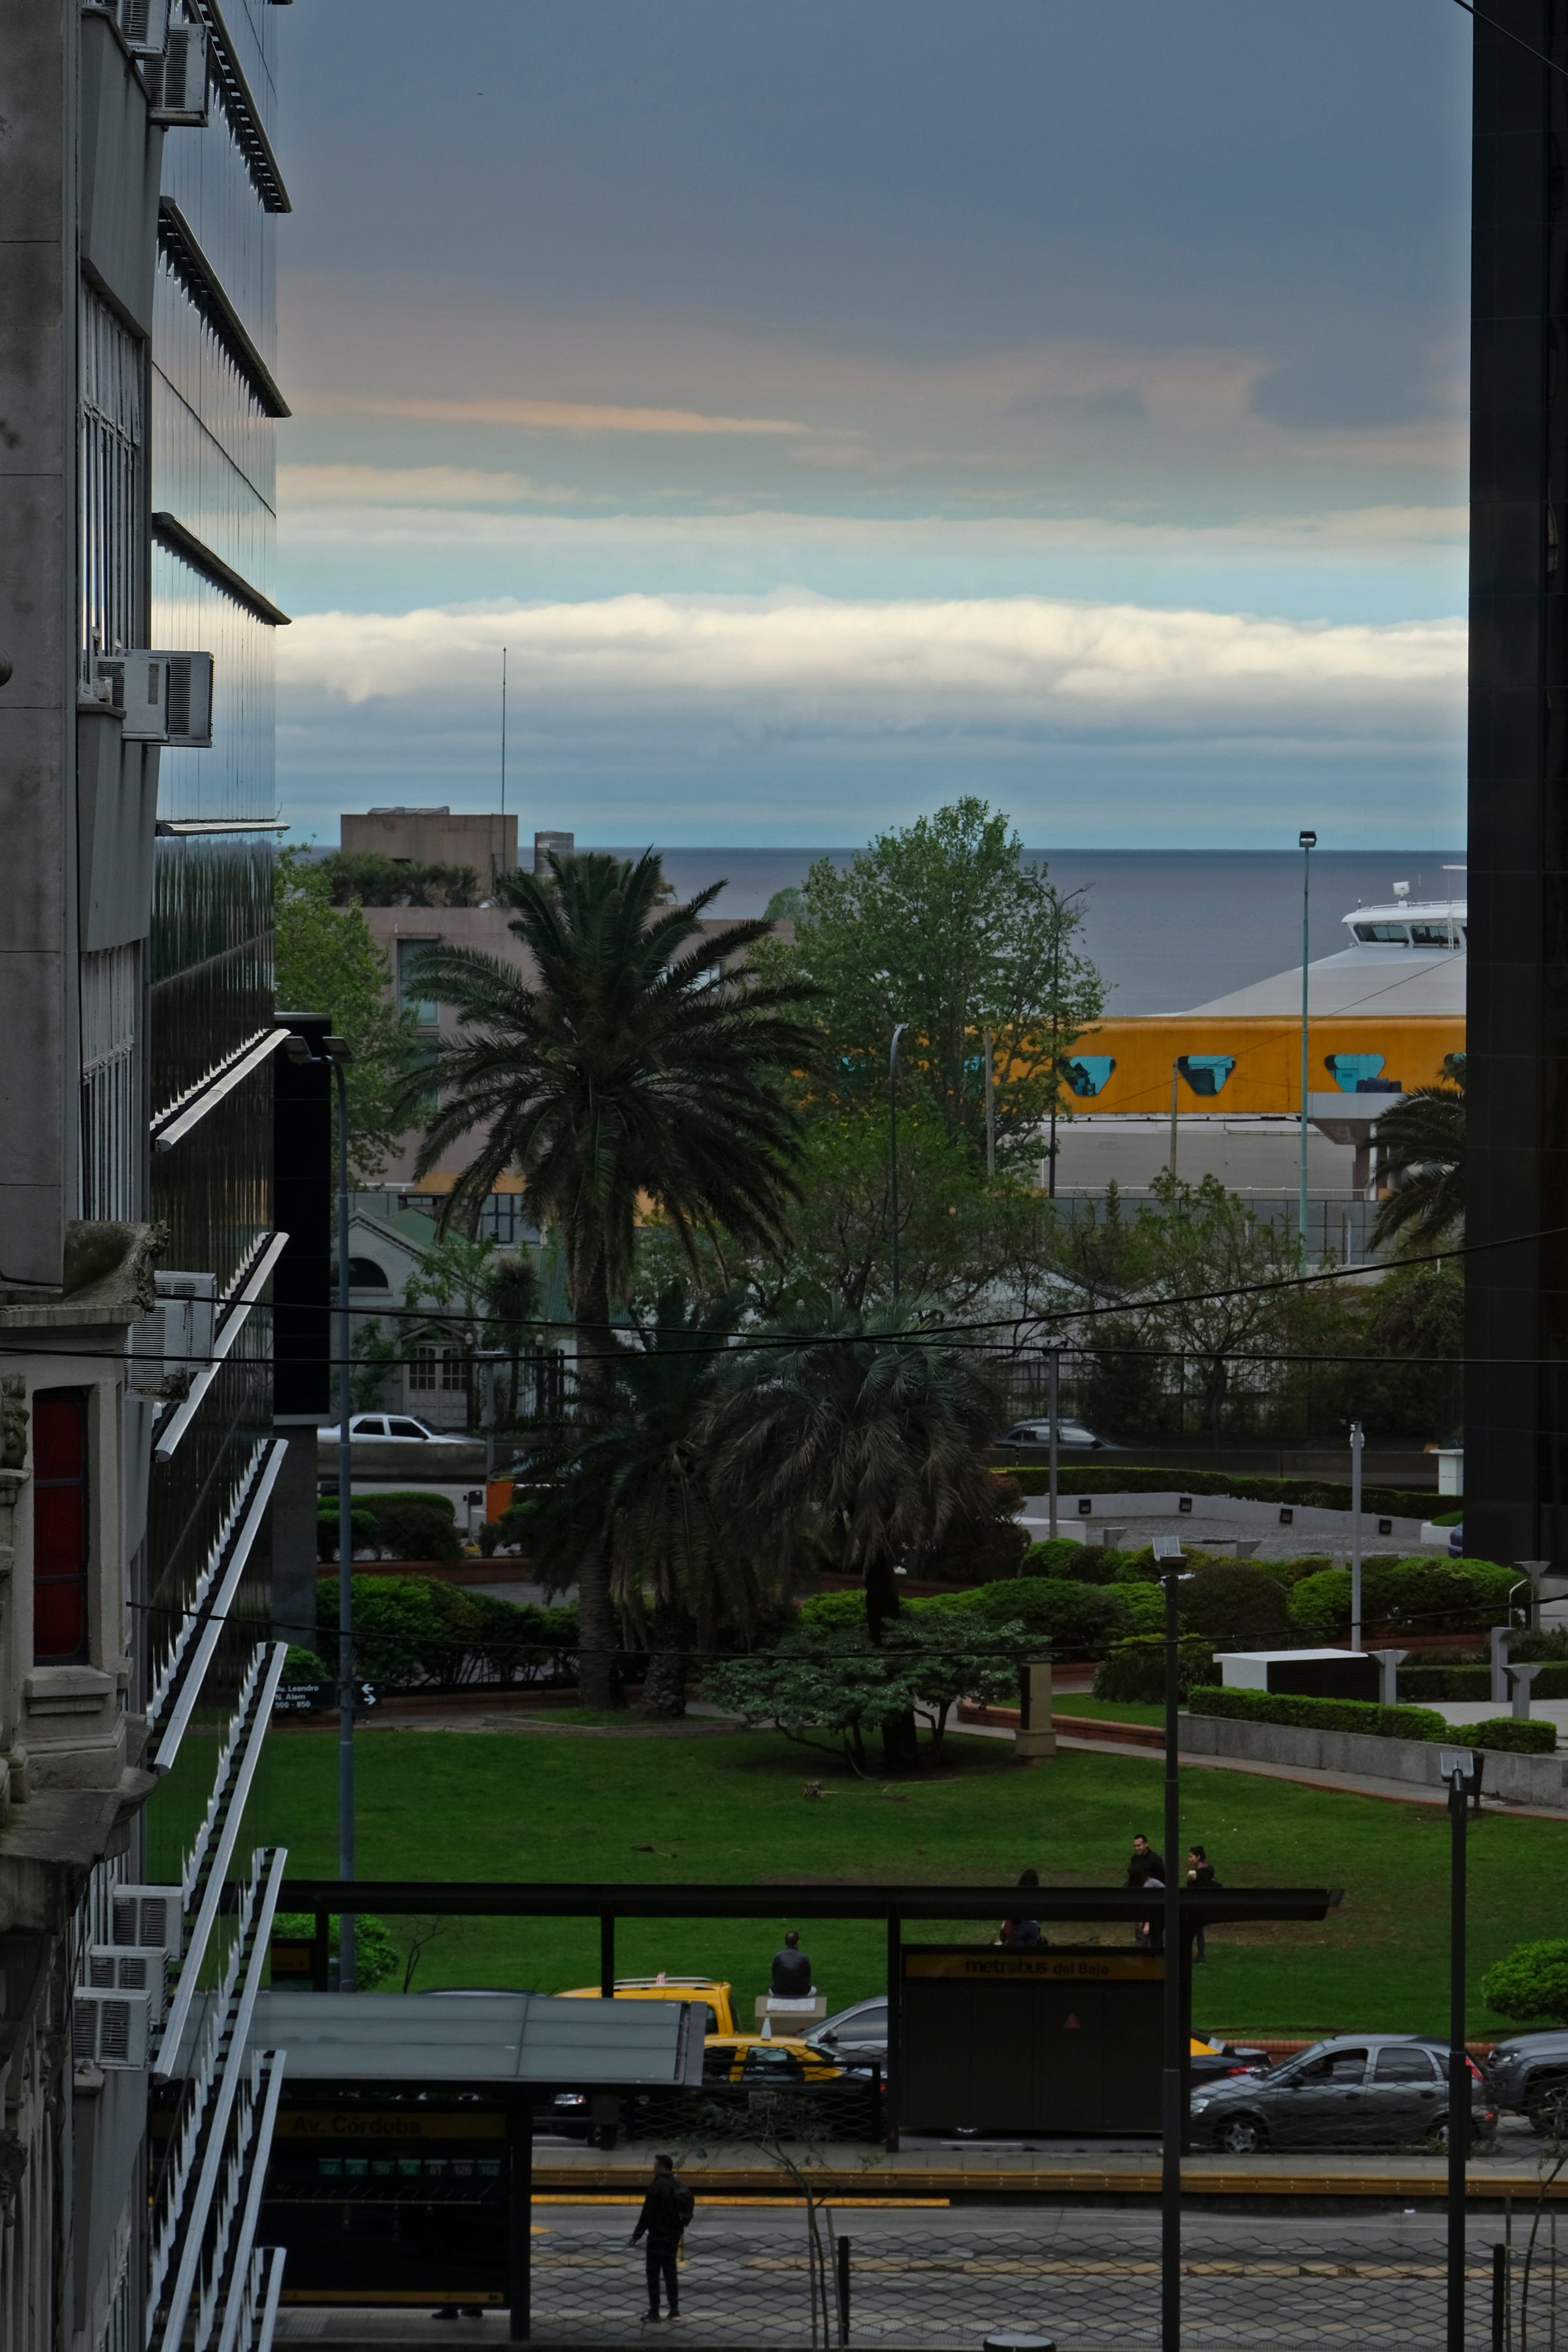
column 871, row 1426
column 630, row 1478
column 642, row 1061
column 1421, row 1145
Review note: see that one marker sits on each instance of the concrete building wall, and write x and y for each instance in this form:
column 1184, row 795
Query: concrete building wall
column 433, row 837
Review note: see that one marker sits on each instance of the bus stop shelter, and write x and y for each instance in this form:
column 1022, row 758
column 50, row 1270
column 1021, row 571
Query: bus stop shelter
column 400, row 2168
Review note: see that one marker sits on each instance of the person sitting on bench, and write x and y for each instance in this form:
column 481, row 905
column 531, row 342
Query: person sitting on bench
column 792, row 1971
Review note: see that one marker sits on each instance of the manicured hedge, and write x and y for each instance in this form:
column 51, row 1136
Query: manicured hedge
column 1497, row 1732
column 413, row 1631
column 1476, row 1682
column 1175, row 1477
column 1320, row 1714
column 1136, row 1669
column 1429, row 1596
column 1500, row 1731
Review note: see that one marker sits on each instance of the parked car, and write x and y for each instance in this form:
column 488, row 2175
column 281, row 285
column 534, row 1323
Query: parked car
column 1072, row 1437
column 857, row 2035
column 740, row 2070
column 1360, row 2090
column 1528, row 2074
column 385, row 1428
column 1211, row 2061
column 715, row 1992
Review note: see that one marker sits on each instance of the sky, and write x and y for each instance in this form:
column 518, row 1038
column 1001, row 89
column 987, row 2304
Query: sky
column 836, row 407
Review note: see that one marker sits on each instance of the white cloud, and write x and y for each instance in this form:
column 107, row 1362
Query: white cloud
column 314, row 487
column 1022, row 665
column 538, row 416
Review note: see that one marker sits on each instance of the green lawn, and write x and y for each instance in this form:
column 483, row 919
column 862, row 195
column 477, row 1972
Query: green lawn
column 466, row 1805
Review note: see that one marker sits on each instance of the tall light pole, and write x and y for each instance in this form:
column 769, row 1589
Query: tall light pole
column 1458, row 1768
column 1358, row 1441
column 893, row 1146
column 1170, row 1565
column 1308, row 842
column 338, row 1052
column 1053, row 1385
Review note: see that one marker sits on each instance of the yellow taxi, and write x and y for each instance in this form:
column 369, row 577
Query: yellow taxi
column 711, row 1992
column 761, row 2061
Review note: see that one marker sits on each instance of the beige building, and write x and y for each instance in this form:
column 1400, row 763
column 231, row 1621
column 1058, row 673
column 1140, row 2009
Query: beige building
column 432, row 836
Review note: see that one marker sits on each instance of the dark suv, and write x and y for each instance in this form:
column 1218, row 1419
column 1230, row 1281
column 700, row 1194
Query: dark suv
column 1529, row 2074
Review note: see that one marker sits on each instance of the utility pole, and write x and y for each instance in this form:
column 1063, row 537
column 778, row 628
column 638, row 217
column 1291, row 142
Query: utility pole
column 1357, row 1442
column 1458, row 1768
column 990, row 1108
column 1169, row 1561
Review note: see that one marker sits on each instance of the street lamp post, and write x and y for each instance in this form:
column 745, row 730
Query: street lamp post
column 1358, row 1441
column 1170, row 1561
column 1053, row 1381
column 338, row 1052
column 1459, row 1770
column 1308, row 842
column 893, row 1145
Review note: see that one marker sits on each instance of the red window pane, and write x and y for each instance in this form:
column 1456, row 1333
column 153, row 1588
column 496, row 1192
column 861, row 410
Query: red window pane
column 59, row 1525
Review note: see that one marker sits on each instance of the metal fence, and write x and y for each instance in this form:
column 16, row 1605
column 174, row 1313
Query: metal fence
column 1087, row 2278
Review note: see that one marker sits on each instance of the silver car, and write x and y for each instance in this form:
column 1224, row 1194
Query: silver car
column 856, row 2036
column 1354, row 2090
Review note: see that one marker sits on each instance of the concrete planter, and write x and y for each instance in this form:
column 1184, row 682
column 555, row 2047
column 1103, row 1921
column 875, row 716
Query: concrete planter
column 1526, row 1779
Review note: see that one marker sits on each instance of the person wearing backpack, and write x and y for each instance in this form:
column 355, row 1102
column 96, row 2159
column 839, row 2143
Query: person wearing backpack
column 667, row 2211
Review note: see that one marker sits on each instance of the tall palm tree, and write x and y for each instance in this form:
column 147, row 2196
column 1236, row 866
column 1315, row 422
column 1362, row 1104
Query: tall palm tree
column 1421, row 1145
column 631, row 1477
column 642, row 1062
column 870, row 1425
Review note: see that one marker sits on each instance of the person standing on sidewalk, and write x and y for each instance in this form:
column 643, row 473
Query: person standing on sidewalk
column 666, row 2210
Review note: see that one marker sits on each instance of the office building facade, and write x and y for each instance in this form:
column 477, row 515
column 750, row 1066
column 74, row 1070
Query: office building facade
column 138, row 193
column 1516, row 1409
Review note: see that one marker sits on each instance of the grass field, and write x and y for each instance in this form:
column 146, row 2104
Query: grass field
column 1110, row 1710
column 730, row 1807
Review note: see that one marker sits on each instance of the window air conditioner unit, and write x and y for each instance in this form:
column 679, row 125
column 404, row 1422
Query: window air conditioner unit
column 170, row 1346
column 145, row 25
column 138, row 689
column 189, row 708
column 146, row 1919
column 109, row 2028
column 177, row 81
column 110, row 1970
column 162, row 698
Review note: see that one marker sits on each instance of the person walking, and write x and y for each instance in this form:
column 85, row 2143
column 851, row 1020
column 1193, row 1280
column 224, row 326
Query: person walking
column 666, row 2212
column 1201, row 1877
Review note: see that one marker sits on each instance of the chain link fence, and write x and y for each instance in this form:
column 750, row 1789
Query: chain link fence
column 1088, row 2279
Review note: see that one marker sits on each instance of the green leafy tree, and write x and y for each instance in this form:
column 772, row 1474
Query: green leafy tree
column 829, row 1684
column 944, row 925
column 961, row 1237
column 363, row 878
column 328, row 963
column 1530, row 1982
column 1200, row 1276
column 868, row 1425
column 1421, row 1149
column 640, row 1060
column 631, row 1477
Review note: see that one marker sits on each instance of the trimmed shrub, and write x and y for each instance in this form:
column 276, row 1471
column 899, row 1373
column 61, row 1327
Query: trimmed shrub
column 1322, row 1714
column 304, row 1666
column 1234, row 1606
column 1429, row 1596
column 834, row 1608
column 1503, row 1733
column 1179, row 1478
column 1145, row 1607
column 398, row 1527
column 1070, row 1617
column 413, row 1629
column 1075, row 1562
column 1136, row 1669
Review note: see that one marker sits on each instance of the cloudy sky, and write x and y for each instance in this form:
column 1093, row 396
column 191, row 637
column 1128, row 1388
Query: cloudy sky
column 834, row 406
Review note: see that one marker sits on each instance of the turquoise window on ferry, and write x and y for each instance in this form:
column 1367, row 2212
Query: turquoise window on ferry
column 1349, row 1070
column 1205, row 1073
column 1087, row 1074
